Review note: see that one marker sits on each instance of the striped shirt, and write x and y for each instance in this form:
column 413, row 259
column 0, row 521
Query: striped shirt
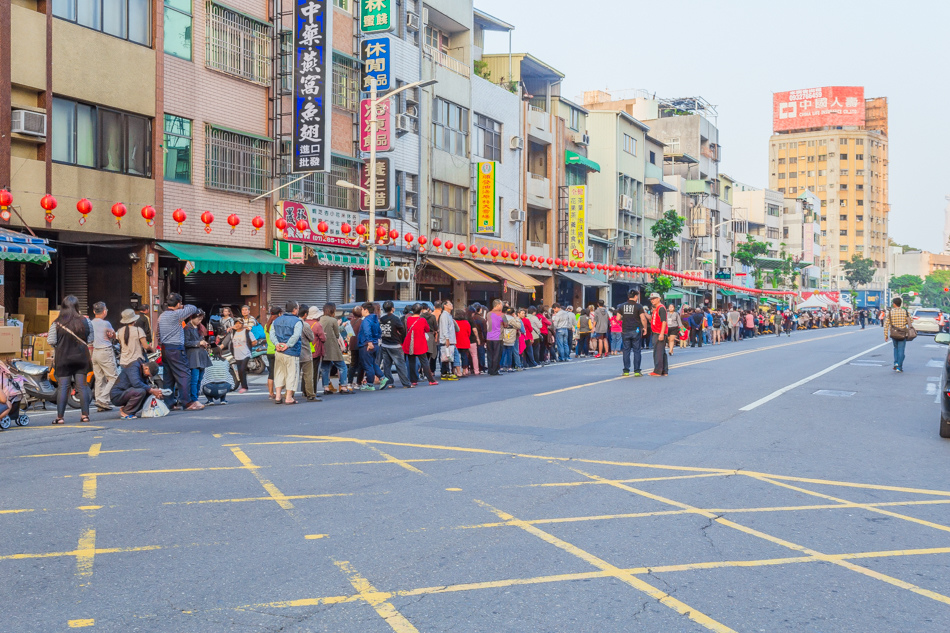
column 169, row 330
column 220, row 371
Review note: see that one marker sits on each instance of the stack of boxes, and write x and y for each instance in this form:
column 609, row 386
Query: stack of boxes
column 9, row 338
column 36, row 318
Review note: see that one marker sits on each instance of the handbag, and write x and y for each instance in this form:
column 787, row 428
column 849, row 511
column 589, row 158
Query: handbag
column 908, row 333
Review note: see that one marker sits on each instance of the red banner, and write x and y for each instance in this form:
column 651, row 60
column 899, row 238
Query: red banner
column 818, row 107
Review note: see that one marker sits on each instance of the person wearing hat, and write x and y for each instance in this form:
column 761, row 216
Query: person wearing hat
column 132, row 339
column 660, row 329
column 132, row 387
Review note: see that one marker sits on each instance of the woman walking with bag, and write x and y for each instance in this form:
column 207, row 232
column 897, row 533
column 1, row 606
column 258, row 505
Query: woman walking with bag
column 70, row 335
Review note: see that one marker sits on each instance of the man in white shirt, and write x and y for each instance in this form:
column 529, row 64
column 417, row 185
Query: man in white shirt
column 103, row 356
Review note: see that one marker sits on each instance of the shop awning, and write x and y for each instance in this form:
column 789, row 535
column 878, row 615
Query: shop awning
column 584, row 280
column 573, row 158
column 673, row 295
column 217, row 259
column 727, row 293
column 347, row 258
column 461, row 271
column 17, row 247
column 515, row 278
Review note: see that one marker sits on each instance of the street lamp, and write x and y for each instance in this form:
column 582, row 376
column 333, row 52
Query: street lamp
column 374, row 101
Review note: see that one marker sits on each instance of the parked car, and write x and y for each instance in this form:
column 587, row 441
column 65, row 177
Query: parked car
column 944, row 339
column 927, row 320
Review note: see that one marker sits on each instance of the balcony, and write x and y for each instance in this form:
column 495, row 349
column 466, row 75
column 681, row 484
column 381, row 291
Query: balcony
column 539, row 249
column 539, row 126
column 444, row 60
column 698, row 187
column 539, row 191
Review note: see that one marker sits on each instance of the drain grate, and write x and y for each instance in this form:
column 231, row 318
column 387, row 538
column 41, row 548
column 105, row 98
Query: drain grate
column 834, row 394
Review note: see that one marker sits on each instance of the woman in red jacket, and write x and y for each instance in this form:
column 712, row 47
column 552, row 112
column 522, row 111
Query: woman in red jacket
column 416, row 346
column 463, row 343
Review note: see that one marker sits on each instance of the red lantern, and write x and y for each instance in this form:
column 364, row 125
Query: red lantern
column 281, row 224
column 233, row 221
column 303, row 225
column 48, row 203
column 494, row 253
column 422, row 240
column 514, row 256
column 178, row 216
column 437, row 243
column 408, row 238
column 323, row 227
column 573, row 264
column 524, row 258
column 381, row 232
column 149, row 214
column 484, row 251
column 462, row 247
column 449, row 244
column 6, row 199
column 257, row 223
column 119, row 211
column 557, row 261
column 533, row 258
column 361, row 229
column 473, row 249
column 85, row 208
column 550, row 261
column 394, row 235
column 504, row 254
column 207, row 217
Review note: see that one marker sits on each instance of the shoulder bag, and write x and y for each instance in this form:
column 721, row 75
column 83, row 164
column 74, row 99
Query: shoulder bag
column 903, row 333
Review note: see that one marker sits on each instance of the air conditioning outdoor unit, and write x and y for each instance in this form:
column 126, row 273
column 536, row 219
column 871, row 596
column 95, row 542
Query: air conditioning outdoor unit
column 517, row 142
column 626, row 202
column 517, row 215
column 580, row 139
column 30, row 123
column 412, row 22
column 403, row 123
column 436, row 224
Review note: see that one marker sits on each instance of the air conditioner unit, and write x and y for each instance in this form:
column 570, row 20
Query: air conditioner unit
column 580, row 139
column 435, row 224
column 517, row 215
column 399, row 273
column 412, row 22
column 27, row 122
column 412, row 111
column 517, row 142
column 403, row 123
column 626, row 202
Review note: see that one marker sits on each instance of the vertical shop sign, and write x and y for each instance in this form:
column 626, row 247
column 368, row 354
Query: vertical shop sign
column 376, row 55
column 385, row 185
column 577, row 218
column 313, row 33
column 376, row 16
column 487, row 202
column 384, row 125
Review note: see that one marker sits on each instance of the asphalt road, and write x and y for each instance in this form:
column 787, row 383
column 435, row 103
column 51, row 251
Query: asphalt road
column 779, row 484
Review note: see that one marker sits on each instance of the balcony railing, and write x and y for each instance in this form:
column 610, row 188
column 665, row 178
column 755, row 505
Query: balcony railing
column 442, row 59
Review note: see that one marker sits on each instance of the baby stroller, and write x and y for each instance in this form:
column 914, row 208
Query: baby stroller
column 12, row 393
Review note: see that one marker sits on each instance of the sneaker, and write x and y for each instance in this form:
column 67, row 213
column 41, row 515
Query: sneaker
column 450, row 377
column 626, row 372
column 637, row 374
column 367, row 388
column 242, row 390
column 382, row 383
column 433, row 384
column 653, row 373
column 223, row 402
column 413, row 384
column 209, row 402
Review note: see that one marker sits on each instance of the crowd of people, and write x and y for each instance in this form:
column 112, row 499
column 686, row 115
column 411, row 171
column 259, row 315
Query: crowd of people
column 369, row 348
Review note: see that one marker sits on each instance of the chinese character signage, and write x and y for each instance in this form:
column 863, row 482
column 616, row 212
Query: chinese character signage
column 486, row 206
column 376, row 16
column 577, row 222
column 335, row 218
column 385, row 185
column 385, row 122
column 375, row 54
column 689, row 283
column 818, row 107
column 384, row 223
column 313, row 32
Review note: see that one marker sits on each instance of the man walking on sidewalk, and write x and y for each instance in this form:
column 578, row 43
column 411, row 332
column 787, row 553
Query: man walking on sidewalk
column 103, row 357
column 660, row 330
column 633, row 328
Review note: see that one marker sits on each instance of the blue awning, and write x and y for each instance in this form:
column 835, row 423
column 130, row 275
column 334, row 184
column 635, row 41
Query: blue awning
column 17, row 247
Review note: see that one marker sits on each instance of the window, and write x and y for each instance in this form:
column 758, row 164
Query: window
column 771, row 233
column 793, row 174
column 575, row 121
column 843, row 202
column 842, row 141
column 811, row 143
column 487, row 138
column 781, row 161
column 810, row 159
column 785, row 232
column 824, row 203
column 450, row 207
column 781, row 176
column 96, row 137
column 437, row 39
column 811, row 174
column 178, row 28
column 843, row 218
column 843, row 187
column 859, row 157
column 844, row 172
column 859, row 233
column 859, row 218
column 858, row 172
column 860, row 203
column 320, row 188
column 126, row 19
column 793, row 160
column 653, row 159
column 236, row 162
column 793, row 190
column 842, row 156
column 629, row 144
column 286, row 62
column 822, row 157
column 859, row 141
column 237, row 44
column 822, row 172
column 781, row 189
column 346, row 83
column 177, row 148
column 674, row 145
column 449, row 127
column 843, row 248
column 782, row 145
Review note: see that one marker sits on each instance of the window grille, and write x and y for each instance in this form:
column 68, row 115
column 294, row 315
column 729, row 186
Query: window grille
column 235, row 162
column 237, row 44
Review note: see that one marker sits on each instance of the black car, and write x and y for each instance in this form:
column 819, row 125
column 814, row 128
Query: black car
column 944, row 339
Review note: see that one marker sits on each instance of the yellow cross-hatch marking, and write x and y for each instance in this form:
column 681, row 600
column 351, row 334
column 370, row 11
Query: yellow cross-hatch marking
column 377, row 600
column 94, row 450
column 271, row 489
column 78, row 624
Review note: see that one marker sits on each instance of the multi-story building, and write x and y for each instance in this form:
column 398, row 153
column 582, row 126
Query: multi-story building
column 801, row 237
column 833, row 142
column 761, row 209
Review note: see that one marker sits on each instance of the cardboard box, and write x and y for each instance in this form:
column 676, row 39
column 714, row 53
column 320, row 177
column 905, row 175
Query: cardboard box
column 9, row 340
column 39, row 324
column 19, row 317
column 53, row 315
column 34, row 305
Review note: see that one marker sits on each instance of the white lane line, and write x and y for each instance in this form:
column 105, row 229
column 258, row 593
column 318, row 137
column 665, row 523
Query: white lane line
column 931, row 388
column 776, row 394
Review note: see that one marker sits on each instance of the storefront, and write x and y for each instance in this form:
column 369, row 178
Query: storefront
column 457, row 280
column 518, row 288
column 578, row 290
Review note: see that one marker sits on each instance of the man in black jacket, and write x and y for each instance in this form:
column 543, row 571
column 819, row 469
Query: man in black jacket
column 132, row 387
column 393, row 334
column 635, row 327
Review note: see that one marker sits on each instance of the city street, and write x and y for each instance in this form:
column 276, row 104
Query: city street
column 778, row 484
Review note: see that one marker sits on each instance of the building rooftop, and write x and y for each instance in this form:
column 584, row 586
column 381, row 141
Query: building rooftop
column 490, row 22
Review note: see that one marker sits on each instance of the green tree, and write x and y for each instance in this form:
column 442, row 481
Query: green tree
column 661, row 284
column 747, row 252
column 931, row 292
column 859, row 272
column 665, row 231
column 905, row 283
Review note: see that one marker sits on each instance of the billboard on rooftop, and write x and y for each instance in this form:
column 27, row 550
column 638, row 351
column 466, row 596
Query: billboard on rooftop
column 828, row 106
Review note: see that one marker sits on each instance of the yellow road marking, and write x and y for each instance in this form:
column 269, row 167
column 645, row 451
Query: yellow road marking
column 216, row 436
column 313, row 537
column 159, row 471
column 626, row 577
column 396, row 621
column 94, row 450
column 271, row 489
column 89, row 487
column 86, row 553
column 397, row 461
column 87, row 453
column 389, row 461
column 600, row 517
column 697, row 361
column 78, row 624
column 847, row 484
column 454, row 489
column 625, row 481
column 89, row 508
column 268, row 498
column 778, row 541
column 323, row 441
column 15, row 511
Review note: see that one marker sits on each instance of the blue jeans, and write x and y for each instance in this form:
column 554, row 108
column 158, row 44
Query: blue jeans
column 616, row 341
column 370, row 366
column 196, row 376
column 482, row 359
column 562, row 337
column 631, row 343
column 341, row 368
column 899, row 353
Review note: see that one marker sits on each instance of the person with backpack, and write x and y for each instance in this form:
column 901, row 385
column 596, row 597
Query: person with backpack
column 897, row 329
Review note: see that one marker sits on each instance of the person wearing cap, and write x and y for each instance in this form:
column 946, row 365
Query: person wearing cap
column 132, row 339
column 660, row 329
column 132, row 387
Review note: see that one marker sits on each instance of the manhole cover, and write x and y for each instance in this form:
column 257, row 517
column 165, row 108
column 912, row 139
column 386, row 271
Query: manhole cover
column 835, row 394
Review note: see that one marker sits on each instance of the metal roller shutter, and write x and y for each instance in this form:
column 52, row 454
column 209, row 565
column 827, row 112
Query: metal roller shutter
column 337, row 286
column 76, row 281
column 303, row 284
column 209, row 291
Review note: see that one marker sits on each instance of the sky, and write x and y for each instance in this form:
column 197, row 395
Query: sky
column 736, row 53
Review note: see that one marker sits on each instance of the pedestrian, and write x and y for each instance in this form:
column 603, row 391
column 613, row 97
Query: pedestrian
column 463, row 344
column 447, row 341
column 547, row 336
column 392, row 335
column 132, row 339
column 217, row 381
column 674, row 324
column 749, row 324
column 306, row 356
column 634, row 325
column 535, row 322
column 732, row 320
column 249, row 321
column 70, row 335
column 275, row 313
column 286, row 333
column 896, row 326
column 353, row 329
column 510, row 339
column 366, row 342
column 616, row 332
column 240, row 342
column 525, row 341
column 697, row 323
column 132, row 387
column 717, row 326
column 196, row 348
column 170, row 334
column 103, row 356
column 495, row 324
column 479, row 340
column 583, row 334
column 316, row 353
column 862, row 316
column 142, row 322
column 600, row 327
column 659, row 327
column 333, row 352
column 563, row 323
column 415, row 345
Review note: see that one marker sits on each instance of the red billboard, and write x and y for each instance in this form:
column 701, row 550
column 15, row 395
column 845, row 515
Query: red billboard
column 818, row 107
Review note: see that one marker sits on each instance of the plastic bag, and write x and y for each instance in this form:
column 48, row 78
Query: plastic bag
column 154, row 408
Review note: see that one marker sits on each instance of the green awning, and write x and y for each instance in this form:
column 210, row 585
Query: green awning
column 573, row 158
column 25, row 257
column 726, row 292
column 673, row 295
column 355, row 259
column 217, row 259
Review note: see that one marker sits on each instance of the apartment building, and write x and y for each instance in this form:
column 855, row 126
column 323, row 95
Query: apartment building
column 801, row 237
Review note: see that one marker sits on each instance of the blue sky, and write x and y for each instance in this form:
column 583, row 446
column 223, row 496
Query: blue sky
column 735, row 53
